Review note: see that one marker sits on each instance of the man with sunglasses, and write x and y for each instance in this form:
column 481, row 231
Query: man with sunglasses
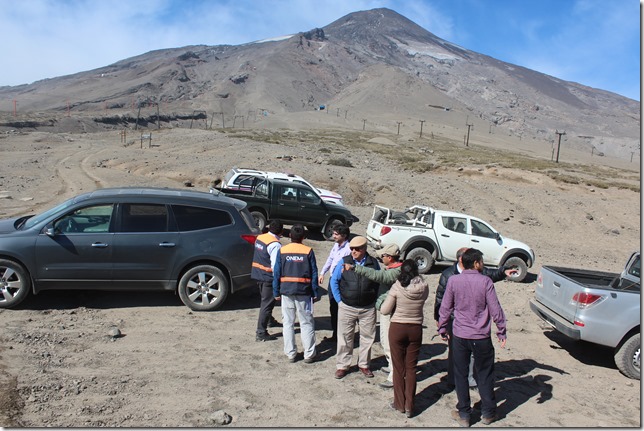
column 339, row 250
column 356, row 297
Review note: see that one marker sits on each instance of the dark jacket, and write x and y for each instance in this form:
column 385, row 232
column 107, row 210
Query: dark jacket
column 357, row 290
column 296, row 271
column 261, row 269
column 495, row 274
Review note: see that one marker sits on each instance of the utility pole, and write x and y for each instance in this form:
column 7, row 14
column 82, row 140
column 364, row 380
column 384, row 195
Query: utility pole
column 364, row 121
column 421, row 128
column 399, row 123
column 467, row 141
column 558, row 144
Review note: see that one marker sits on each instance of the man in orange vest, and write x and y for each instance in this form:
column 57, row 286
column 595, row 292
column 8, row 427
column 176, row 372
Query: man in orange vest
column 295, row 283
column 267, row 246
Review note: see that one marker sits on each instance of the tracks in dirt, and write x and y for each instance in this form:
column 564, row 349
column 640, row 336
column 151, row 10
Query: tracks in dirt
column 75, row 181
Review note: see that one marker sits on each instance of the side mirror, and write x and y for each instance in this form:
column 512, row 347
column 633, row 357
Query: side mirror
column 498, row 236
column 50, row 231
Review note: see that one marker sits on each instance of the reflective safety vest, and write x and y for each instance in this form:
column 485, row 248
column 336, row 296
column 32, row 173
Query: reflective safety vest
column 295, row 274
column 261, row 269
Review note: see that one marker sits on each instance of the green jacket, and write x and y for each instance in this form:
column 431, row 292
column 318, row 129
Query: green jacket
column 382, row 276
column 378, row 275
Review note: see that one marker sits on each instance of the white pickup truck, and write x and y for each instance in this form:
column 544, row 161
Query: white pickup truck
column 595, row 306
column 430, row 236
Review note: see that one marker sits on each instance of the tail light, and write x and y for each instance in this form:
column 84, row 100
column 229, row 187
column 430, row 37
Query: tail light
column 586, row 300
column 540, row 280
column 384, row 230
column 249, row 238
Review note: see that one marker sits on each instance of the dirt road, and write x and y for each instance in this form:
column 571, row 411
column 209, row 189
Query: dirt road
column 173, row 367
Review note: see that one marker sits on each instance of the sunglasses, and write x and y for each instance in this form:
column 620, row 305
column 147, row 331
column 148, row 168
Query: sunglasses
column 355, row 248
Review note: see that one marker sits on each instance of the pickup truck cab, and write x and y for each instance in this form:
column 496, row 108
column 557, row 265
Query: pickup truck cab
column 431, row 236
column 244, row 178
column 291, row 202
column 595, row 306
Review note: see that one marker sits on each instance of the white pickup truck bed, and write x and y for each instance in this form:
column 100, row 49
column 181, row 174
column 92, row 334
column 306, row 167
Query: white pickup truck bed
column 431, row 236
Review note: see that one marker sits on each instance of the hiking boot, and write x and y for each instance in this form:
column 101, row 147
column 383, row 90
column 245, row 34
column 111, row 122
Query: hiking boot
column 272, row 323
column 311, row 359
column 265, row 337
column 465, row 423
column 386, row 384
column 488, row 421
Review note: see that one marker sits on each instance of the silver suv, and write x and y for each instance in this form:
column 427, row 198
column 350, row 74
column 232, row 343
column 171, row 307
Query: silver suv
column 194, row 243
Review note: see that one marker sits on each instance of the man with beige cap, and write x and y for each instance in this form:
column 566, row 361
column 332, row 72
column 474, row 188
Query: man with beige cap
column 389, row 254
column 356, row 297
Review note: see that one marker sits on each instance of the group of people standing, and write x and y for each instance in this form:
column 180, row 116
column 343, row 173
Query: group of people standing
column 359, row 290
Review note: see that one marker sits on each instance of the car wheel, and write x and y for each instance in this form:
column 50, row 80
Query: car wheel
column 14, row 283
column 627, row 357
column 203, row 288
column 519, row 264
column 329, row 227
column 423, row 258
column 260, row 219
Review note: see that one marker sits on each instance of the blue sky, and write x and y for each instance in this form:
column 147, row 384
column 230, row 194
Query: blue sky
column 592, row 42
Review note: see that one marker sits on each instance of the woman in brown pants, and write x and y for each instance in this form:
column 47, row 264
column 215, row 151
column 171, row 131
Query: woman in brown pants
column 405, row 303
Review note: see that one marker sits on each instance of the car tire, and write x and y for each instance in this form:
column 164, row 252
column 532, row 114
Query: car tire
column 399, row 217
column 518, row 263
column 260, row 219
column 203, row 288
column 627, row 357
column 423, row 258
column 15, row 283
column 330, row 225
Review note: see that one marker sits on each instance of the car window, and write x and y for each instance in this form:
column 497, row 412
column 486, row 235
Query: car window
column 634, row 270
column 90, row 219
column 144, row 218
column 455, row 224
column 50, row 212
column 228, row 176
column 308, row 196
column 245, row 181
column 262, row 189
column 481, row 229
column 287, row 193
column 195, row 218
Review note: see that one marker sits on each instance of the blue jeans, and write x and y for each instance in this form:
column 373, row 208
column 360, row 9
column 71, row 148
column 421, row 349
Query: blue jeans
column 483, row 351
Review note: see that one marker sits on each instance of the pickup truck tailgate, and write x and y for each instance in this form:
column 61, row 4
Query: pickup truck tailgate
column 557, row 286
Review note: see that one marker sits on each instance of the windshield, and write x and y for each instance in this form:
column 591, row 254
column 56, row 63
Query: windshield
column 43, row 216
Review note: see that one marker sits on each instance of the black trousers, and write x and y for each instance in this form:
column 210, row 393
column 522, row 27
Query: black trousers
column 266, row 305
column 333, row 309
column 483, row 351
column 450, row 360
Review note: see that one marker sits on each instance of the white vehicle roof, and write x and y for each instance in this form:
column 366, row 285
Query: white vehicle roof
column 326, row 195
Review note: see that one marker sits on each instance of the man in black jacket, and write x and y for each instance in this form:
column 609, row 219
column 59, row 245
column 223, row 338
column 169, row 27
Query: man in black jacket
column 356, row 297
column 495, row 274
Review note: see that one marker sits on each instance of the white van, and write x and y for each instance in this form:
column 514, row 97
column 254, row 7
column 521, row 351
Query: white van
column 242, row 178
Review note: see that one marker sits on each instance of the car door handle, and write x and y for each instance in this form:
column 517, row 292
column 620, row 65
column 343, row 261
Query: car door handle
column 99, row 245
column 445, row 235
column 166, row 244
column 475, row 240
